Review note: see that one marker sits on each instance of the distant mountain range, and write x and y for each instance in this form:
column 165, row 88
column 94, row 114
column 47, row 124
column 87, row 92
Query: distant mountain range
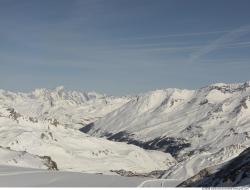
column 169, row 133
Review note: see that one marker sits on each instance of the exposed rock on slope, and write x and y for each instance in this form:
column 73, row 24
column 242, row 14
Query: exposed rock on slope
column 235, row 172
column 24, row 159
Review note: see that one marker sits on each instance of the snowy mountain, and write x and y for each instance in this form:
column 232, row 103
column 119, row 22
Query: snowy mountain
column 200, row 128
column 232, row 173
column 169, row 133
column 69, row 148
column 69, row 108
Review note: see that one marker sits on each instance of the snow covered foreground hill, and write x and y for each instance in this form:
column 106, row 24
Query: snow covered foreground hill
column 26, row 140
column 199, row 128
column 26, row 177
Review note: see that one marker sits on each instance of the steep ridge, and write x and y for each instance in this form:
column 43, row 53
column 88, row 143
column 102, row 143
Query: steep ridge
column 232, row 173
column 199, row 128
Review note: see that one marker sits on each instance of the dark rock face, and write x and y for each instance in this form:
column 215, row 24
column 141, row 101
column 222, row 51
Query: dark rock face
column 234, row 173
column 87, row 128
column 54, row 122
column 153, row 174
column 13, row 114
column 33, row 120
column 228, row 89
column 203, row 102
column 242, row 105
column 191, row 181
column 167, row 144
column 49, row 162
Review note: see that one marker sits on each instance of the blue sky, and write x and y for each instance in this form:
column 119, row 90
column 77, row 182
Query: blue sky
column 123, row 46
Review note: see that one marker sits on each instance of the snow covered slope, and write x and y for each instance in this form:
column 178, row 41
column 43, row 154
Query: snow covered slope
column 24, row 159
column 71, row 108
column 71, row 149
column 26, row 177
column 199, row 128
column 232, row 173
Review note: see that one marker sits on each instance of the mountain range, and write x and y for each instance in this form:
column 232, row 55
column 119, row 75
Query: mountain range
column 167, row 133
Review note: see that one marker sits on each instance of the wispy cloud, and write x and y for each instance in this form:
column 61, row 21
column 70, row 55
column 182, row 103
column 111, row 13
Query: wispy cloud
column 239, row 45
column 221, row 42
column 177, row 35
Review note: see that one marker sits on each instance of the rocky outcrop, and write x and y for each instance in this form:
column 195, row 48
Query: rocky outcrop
column 49, row 162
column 235, row 173
column 153, row 174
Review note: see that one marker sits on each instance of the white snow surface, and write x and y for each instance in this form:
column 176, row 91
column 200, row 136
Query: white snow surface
column 26, row 177
column 215, row 120
column 20, row 158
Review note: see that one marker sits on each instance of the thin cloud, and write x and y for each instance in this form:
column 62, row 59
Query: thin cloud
column 178, row 35
column 239, row 45
column 220, row 42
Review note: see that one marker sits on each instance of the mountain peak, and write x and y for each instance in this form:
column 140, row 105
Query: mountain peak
column 60, row 88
